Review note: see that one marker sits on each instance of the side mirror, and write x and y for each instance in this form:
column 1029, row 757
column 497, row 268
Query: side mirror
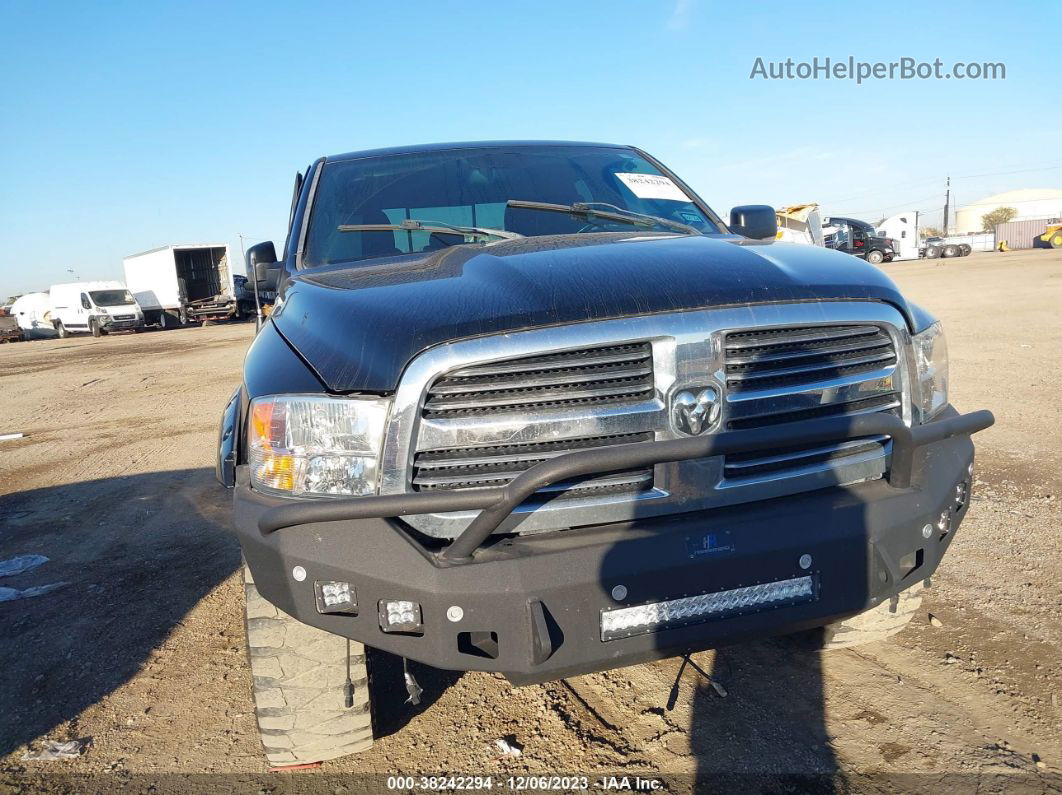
column 756, row 221
column 262, row 266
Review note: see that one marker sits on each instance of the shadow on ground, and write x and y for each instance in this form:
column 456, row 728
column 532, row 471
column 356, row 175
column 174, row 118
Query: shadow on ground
column 770, row 735
column 137, row 553
column 388, row 691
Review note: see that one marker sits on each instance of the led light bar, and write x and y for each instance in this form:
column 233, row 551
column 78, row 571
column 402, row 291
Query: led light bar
column 626, row 622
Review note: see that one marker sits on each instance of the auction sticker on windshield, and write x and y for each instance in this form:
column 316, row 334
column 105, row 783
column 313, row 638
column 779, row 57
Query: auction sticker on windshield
column 653, row 186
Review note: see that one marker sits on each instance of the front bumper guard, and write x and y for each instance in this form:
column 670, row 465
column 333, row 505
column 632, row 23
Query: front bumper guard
column 495, row 504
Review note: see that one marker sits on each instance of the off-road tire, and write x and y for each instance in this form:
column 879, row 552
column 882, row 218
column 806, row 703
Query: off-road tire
column 875, row 257
column 1056, row 240
column 875, row 624
column 299, row 673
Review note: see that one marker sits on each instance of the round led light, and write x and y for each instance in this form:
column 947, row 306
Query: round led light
column 299, row 573
column 619, row 593
column 927, row 531
column 805, row 561
column 455, row 613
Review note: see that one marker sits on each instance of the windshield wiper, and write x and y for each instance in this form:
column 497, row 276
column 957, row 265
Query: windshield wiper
column 435, row 227
column 589, row 211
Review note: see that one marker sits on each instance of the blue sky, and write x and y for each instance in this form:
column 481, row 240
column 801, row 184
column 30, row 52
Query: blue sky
column 129, row 125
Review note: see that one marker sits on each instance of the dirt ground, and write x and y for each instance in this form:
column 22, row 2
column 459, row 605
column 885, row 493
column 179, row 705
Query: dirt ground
column 141, row 649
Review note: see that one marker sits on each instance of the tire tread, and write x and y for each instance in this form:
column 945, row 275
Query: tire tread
column 298, row 674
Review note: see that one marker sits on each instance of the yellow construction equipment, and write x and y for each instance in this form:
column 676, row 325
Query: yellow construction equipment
column 1053, row 235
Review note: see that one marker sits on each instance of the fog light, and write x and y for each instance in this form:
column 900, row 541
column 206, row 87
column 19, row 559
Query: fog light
column 400, row 616
column 628, row 621
column 962, row 492
column 944, row 522
column 335, row 597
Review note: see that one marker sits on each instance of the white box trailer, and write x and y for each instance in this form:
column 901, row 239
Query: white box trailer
column 182, row 283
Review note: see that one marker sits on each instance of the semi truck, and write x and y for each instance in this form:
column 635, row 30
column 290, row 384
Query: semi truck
column 179, row 284
column 533, row 408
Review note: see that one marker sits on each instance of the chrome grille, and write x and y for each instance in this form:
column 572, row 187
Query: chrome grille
column 607, row 374
column 782, row 375
column 496, row 465
column 479, row 411
column 768, row 357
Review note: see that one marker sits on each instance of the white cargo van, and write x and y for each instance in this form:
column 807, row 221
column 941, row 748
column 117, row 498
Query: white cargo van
column 181, row 283
column 94, row 308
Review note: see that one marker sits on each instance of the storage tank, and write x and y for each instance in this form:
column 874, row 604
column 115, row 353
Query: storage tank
column 1031, row 203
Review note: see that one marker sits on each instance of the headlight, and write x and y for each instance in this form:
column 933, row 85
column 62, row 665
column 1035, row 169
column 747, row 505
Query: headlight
column 931, row 361
column 311, row 445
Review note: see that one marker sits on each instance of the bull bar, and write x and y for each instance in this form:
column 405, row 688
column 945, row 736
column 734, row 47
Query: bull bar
column 496, row 503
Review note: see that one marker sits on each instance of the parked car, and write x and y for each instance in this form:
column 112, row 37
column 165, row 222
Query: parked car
column 859, row 239
column 244, row 290
column 94, row 308
column 534, row 408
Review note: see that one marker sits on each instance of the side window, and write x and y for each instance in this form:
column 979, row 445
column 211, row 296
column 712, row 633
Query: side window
column 85, row 302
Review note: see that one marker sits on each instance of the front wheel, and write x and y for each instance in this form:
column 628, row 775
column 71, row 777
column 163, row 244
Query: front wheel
column 60, row 329
column 299, row 673
column 94, row 327
column 875, row 257
column 875, row 624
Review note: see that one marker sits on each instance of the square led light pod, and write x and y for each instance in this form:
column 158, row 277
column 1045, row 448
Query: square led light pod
column 397, row 615
column 336, row 597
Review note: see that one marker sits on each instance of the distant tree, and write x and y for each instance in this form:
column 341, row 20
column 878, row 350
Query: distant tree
column 1000, row 215
column 929, row 231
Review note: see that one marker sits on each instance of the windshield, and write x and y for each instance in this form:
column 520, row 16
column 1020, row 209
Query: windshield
column 472, row 188
column 111, row 297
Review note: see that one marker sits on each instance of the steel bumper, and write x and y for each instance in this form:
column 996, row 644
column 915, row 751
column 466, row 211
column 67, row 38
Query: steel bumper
column 531, row 606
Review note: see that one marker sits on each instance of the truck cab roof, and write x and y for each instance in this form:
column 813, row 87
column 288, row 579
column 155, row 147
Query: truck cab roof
column 444, row 147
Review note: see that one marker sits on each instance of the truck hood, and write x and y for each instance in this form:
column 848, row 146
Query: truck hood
column 358, row 325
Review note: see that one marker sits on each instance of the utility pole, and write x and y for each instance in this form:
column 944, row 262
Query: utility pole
column 947, row 203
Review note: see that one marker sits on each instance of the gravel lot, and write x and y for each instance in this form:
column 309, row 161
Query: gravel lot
column 142, row 649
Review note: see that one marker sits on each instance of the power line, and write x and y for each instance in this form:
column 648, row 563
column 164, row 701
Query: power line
column 928, row 180
column 1001, row 173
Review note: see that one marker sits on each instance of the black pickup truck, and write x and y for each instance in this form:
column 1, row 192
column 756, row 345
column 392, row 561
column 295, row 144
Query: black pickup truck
column 534, row 408
column 859, row 239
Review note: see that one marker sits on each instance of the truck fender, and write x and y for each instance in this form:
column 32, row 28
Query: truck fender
column 228, row 437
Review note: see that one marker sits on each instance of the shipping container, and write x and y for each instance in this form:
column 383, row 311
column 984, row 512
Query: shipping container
column 1023, row 234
